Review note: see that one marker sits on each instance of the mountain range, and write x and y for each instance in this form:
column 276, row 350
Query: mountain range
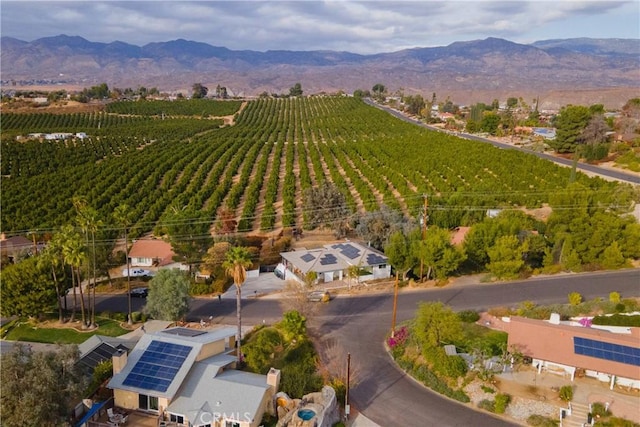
column 557, row 71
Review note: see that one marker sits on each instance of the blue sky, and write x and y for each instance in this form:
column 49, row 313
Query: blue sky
column 354, row 26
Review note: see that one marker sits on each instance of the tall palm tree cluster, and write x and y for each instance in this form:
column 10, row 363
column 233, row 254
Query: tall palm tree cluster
column 74, row 246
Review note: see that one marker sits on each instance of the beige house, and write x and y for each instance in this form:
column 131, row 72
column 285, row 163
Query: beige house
column 188, row 377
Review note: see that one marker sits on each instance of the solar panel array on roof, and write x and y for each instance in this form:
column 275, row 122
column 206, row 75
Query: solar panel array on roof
column 99, row 354
column 607, row 351
column 375, row 259
column 328, row 259
column 158, row 366
column 307, row 257
column 184, row 332
column 350, row 251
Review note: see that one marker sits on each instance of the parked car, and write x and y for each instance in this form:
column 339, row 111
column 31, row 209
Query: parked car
column 137, row 272
column 279, row 271
column 139, row 292
column 319, row 296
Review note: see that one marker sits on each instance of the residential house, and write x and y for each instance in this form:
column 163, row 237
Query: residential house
column 150, row 253
column 333, row 261
column 188, row 377
column 610, row 354
column 14, row 248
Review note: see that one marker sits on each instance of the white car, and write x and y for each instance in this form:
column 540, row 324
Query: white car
column 137, row 272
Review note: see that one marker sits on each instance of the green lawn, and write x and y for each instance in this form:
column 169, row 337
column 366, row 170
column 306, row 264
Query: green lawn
column 24, row 331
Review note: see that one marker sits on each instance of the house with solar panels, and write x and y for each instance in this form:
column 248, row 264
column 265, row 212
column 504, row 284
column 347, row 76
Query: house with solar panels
column 331, row 262
column 188, row 377
column 610, row 354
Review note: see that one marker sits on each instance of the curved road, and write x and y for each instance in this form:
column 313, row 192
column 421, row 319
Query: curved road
column 618, row 175
column 359, row 325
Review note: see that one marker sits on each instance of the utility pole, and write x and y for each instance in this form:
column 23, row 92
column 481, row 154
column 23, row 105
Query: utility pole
column 423, row 223
column 347, row 407
column 395, row 306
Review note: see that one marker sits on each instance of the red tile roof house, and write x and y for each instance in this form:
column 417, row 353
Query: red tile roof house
column 562, row 348
column 150, row 253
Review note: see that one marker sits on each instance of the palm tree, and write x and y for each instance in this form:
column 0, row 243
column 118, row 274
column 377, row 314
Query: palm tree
column 93, row 223
column 89, row 222
column 122, row 216
column 237, row 261
column 75, row 256
column 52, row 256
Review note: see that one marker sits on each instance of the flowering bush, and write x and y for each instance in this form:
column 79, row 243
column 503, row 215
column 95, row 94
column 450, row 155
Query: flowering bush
column 398, row 338
column 586, row 322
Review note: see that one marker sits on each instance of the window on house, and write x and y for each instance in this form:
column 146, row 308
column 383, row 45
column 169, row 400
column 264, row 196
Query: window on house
column 232, row 424
column 176, row 418
column 148, row 403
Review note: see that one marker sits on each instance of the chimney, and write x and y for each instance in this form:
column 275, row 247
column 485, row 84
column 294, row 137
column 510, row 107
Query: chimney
column 119, row 359
column 273, row 379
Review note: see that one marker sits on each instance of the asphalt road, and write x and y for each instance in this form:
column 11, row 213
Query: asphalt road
column 359, row 324
column 384, row 393
column 618, row 175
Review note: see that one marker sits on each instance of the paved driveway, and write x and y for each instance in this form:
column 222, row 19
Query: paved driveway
column 264, row 284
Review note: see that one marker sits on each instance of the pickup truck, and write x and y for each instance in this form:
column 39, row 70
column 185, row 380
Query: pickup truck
column 137, row 272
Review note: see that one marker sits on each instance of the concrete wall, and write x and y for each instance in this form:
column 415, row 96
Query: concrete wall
column 125, row 399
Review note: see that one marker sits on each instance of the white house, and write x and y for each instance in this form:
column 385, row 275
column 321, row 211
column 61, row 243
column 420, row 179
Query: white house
column 333, row 261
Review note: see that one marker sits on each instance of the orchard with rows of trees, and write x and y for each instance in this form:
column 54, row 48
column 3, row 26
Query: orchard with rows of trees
column 309, row 162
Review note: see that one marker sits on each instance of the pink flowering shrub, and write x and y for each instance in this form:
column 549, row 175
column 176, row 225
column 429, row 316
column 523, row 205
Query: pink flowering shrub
column 586, row 322
column 399, row 337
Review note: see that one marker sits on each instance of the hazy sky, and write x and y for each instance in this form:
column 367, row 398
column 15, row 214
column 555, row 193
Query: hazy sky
column 355, row 26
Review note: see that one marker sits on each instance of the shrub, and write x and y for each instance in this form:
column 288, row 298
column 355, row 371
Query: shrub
column 200, row 289
column 500, row 311
column 340, row 388
column 260, row 349
column 502, row 401
column 598, row 409
column 487, row 405
column 101, row 372
column 614, row 297
column 423, row 374
column 469, row 316
column 618, row 320
column 135, row 316
column 119, row 316
column 615, row 422
column 399, row 338
column 575, row 298
column 620, row 308
column 487, row 389
column 566, row 393
column 541, row 421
